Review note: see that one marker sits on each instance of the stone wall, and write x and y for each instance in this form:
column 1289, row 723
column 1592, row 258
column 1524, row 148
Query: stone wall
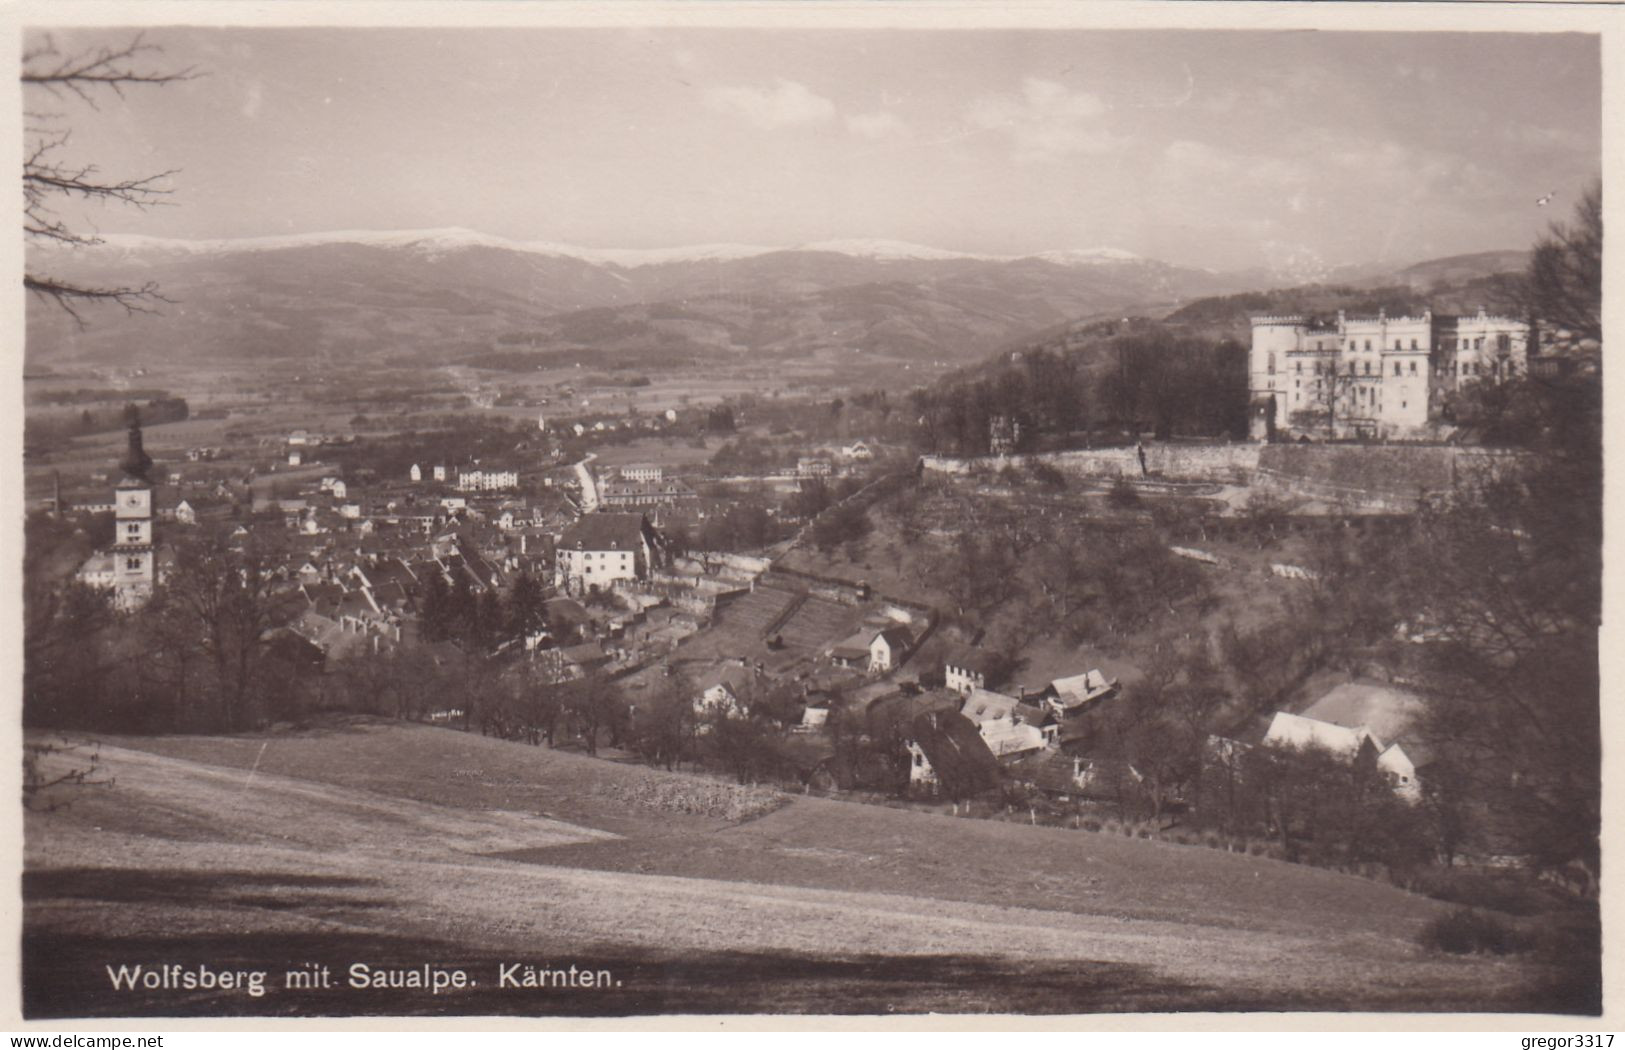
column 1223, row 463
column 1369, row 477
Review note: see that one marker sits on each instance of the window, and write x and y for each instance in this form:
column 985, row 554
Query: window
column 1298, row 367
column 1503, row 343
column 1368, row 368
column 1271, row 367
column 1414, row 346
column 1396, row 367
column 132, row 563
column 1413, row 368
column 1398, row 344
column 1478, row 344
column 132, row 529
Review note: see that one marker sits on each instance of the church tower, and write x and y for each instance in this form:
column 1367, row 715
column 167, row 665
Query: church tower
column 134, row 552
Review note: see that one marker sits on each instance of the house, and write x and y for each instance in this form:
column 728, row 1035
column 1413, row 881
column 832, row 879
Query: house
column 982, row 705
column 815, row 715
column 726, row 692
column 644, row 493
column 1068, row 696
column 1326, row 725
column 1003, row 722
column 946, row 753
column 1068, row 777
column 814, row 467
column 966, row 672
column 416, row 473
column 601, row 548
column 642, row 472
column 492, row 480
column 857, row 451
column 584, row 658
column 888, row 649
column 853, row 652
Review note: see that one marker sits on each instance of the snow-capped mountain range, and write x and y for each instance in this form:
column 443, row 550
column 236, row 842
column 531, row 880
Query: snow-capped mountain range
column 454, row 238
column 433, row 296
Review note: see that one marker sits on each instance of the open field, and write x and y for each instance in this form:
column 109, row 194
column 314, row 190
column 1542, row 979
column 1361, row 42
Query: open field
column 400, row 845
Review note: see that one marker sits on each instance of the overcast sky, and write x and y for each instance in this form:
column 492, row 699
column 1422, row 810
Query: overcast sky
column 1210, row 148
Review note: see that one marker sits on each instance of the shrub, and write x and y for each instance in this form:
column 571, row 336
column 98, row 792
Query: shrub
column 1466, row 932
column 1123, row 494
column 1091, row 825
column 711, row 799
column 1503, row 893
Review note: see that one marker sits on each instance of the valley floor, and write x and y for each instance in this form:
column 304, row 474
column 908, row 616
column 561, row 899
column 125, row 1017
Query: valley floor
column 399, row 846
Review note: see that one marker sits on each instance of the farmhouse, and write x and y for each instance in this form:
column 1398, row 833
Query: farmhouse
column 946, row 753
column 1346, row 718
column 1068, row 696
column 642, row 472
column 1009, row 726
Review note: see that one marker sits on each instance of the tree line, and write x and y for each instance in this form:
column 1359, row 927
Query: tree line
column 1148, row 378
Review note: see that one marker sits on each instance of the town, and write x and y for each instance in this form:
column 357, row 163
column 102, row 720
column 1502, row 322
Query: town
column 846, row 626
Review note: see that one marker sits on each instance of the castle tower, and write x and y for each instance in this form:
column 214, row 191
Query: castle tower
column 134, row 553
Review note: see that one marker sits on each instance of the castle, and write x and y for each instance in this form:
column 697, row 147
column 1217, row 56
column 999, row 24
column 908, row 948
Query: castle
column 1373, row 377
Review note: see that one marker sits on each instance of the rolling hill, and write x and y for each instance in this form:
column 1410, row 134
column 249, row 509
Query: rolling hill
column 433, row 296
column 399, row 846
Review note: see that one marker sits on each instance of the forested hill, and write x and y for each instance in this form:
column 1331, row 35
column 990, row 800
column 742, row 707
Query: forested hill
column 1227, row 315
column 1100, row 382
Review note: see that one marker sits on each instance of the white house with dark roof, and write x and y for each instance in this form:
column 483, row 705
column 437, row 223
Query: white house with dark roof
column 599, row 549
column 887, row 649
column 1350, row 714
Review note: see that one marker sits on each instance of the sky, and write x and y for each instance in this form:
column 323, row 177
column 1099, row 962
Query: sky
column 1215, row 148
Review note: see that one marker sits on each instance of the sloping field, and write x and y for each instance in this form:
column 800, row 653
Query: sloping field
column 757, row 610
column 819, row 622
column 404, row 846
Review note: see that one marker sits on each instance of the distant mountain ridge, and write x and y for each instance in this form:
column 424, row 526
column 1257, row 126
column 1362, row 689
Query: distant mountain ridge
column 449, row 295
column 456, row 237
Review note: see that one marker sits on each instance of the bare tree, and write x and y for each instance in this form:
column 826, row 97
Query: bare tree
column 49, row 177
column 1563, row 284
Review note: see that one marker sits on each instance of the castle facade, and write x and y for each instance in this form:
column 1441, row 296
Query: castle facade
column 1373, row 377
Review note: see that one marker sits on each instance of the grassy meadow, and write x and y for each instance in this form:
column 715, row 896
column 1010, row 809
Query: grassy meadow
column 398, row 846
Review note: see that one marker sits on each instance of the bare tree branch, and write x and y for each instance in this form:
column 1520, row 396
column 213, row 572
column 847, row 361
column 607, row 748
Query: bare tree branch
column 82, row 75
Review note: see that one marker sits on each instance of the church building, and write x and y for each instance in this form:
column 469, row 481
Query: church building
column 129, row 567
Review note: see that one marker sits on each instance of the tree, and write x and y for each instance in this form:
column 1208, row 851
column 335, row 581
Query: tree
column 218, row 599
column 1563, row 285
column 49, row 177
column 527, row 607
